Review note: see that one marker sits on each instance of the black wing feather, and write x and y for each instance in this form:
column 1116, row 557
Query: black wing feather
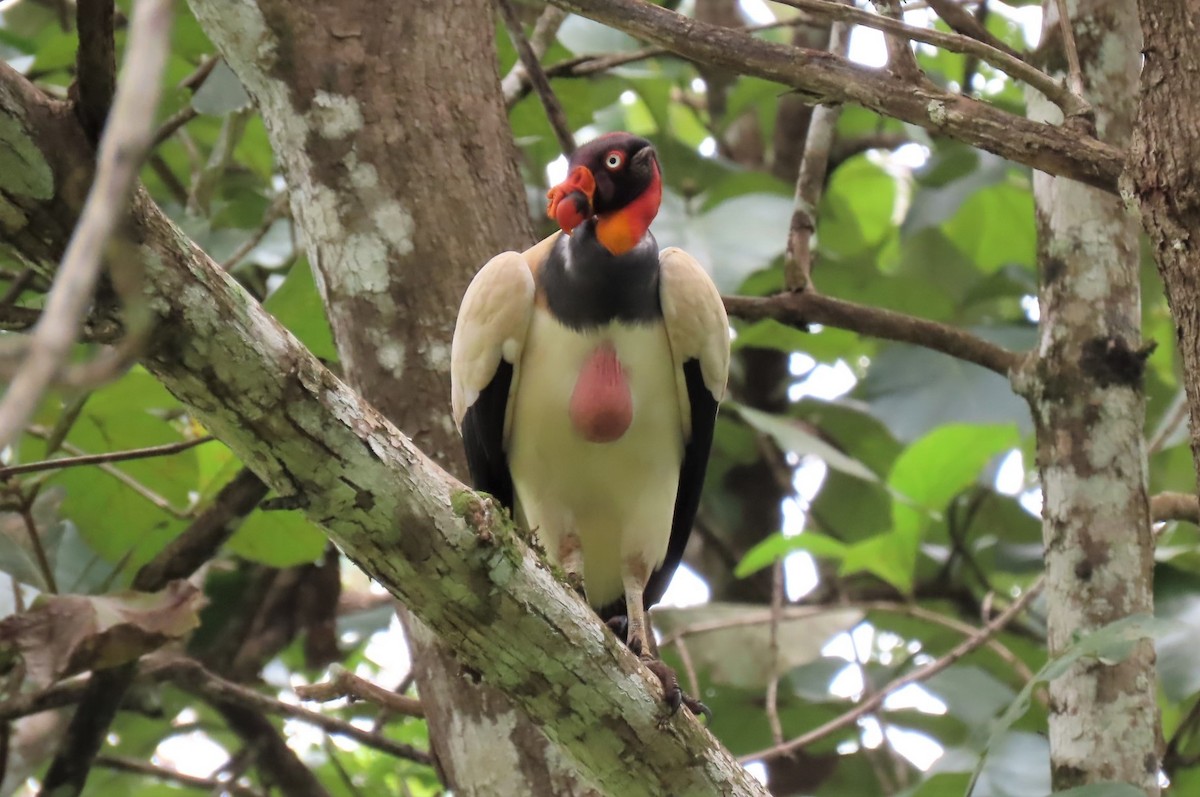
column 483, row 438
column 691, row 482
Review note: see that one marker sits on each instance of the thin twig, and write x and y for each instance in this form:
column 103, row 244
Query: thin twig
column 17, row 286
column 773, row 648
column 71, row 691
column 193, row 81
column 95, row 459
column 1175, row 415
column 544, row 31
column 1074, row 70
column 924, row 672
column 1072, row 104
column 960, row 20
column 789, row 613
column 121, row 476
column 39, row 551
column 537, row 76
column 814, row 165
column 275, row 211
column 689, row 667
column 344, row 683
column 343, row 775
column 587, row 65
column 193, row 677
column 205, row 181
column 138, row 767
column 902, row 62
column 175, row 121
column 122, row 147
column 1174, row 506
column 803, row 308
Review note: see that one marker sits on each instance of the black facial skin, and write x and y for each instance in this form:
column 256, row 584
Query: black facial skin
column 616, row 188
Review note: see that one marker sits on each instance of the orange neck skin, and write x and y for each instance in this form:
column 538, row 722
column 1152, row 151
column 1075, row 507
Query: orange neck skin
column 620, row 231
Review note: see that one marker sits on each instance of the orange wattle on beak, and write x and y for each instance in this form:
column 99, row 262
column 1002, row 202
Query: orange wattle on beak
column 571, row 200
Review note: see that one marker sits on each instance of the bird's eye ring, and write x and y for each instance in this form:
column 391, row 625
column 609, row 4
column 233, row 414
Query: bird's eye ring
column 614, row 160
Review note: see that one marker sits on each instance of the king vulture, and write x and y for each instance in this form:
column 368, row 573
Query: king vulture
column 586, row 374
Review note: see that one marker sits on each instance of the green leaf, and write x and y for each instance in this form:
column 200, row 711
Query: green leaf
column 995, row 227
column 891, row 556
column 777, row 546
column 298, row 306
column 857, row 210
column 792, row 436
column 733, row 239
column 941, row 464
column 278, row 539
column 914, row 390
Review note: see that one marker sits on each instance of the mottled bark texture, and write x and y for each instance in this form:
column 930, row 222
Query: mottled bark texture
column 403, row 180
column 1085, row 391
column 407, row 523
column 835, row 79
column 1164, row 173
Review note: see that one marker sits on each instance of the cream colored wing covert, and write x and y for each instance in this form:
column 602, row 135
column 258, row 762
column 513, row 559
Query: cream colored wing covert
column 493, row 321
column 697, row 326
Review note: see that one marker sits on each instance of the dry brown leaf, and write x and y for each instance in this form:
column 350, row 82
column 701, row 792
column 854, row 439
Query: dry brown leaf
column 65, row 634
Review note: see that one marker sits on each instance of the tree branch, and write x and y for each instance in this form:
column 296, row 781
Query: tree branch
column 191, row 676
column 799, row 309
column 136, row 767
column 516, row 83
column 831, row 79
column 95, row 63
column 537, row 76
column 1174, row 506
column 814, row 166
column 94, row 459
column 346, row 684
column 924, row 672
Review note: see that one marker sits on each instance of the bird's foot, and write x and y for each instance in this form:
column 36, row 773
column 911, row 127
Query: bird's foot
column 673, row 695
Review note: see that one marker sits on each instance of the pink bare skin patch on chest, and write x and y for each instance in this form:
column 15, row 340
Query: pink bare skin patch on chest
column 601, row 404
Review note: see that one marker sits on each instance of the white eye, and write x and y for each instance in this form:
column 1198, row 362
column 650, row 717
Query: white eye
column 614, row 160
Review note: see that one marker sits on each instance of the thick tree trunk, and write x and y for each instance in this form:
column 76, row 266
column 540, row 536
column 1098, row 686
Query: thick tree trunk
column 1085, row 390
column 1164, row 173
column 403, row 179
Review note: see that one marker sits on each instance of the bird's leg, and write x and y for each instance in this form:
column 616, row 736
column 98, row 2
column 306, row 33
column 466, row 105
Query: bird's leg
column 637, row 636
column 640, row 639
column 570, row 559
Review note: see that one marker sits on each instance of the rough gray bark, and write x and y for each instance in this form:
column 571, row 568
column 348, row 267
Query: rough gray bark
column 403, row 180
column 1085, row 391
column 1164, row 173
column 394, row 512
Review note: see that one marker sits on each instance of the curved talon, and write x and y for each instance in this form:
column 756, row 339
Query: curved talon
column 697, row 708
column 672, row 695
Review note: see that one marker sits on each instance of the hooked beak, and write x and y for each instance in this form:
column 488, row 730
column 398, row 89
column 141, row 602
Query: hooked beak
column 571, row 200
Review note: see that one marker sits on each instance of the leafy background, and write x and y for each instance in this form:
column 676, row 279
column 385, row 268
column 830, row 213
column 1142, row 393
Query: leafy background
column 909, row 496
